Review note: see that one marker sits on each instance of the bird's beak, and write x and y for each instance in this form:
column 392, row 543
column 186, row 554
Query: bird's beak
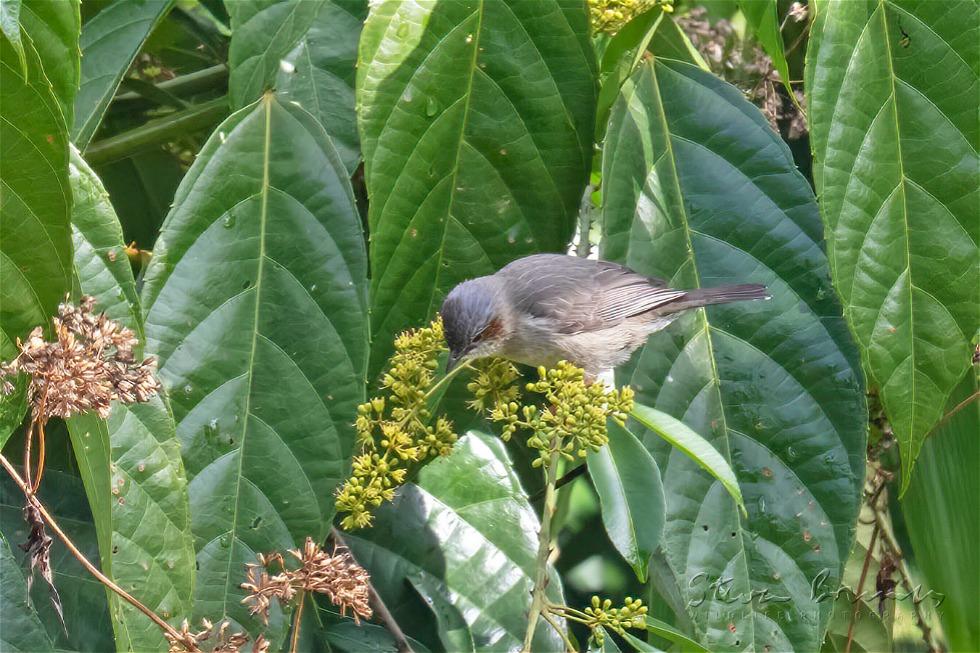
column 452, row 362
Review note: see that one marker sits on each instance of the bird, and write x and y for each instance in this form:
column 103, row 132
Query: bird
column 545, row 308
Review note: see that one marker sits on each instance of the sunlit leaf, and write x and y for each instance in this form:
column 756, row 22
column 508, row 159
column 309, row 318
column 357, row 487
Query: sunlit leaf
column 699, row 191
column 35, row 200
column 468, row 529
column 53, row 28
column 892, row 89
column 476, row 120
column 255, row 305
column 762, row 17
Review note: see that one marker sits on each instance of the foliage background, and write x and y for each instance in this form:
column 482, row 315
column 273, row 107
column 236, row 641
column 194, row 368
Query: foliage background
column 267, row 191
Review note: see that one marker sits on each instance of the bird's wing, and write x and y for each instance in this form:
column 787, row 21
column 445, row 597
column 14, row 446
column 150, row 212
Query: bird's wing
column 578, row 294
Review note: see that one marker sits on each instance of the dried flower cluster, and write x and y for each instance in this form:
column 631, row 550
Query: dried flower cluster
column 337, row 575
column 88, row 365
column 601, row 615
column 747, row 66
column 573, row 421
column 398, row 429
column 224, row 642
column 609, row 16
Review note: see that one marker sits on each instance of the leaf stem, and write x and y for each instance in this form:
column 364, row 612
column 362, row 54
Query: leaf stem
column 92, row 569
column 297, row 620
column 561, row 633
column 538, row 598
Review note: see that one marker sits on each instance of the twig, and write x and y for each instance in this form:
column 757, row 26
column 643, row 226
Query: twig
column 297, row 620
column 92, row 569
column 538, row 598
column 584, row 246
column 957, row 408
column 860, row 587
column 889, row 540
column 558, row 629
column 567, row 478
column 379, row 607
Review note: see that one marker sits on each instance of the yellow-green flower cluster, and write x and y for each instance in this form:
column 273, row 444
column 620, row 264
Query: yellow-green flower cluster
column 602, row 615
column 396, row 430
column 573, row 419
column 493, row 384
column 609, row 16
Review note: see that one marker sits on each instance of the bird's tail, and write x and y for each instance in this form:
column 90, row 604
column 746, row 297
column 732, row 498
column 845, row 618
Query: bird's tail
column 699, row 297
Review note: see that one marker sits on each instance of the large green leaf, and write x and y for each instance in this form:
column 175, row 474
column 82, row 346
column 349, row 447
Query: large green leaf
column 255, row 306
column 699, row 190
column 21, row 629
column 35, row 200
column 468, row 530
column 892, row 89
column 263, row 33
column 130, row 463
column 319, row 73
column 53, row 28
column 940, row 510
column 110, row 41
column 476, row 122
column 627, row 480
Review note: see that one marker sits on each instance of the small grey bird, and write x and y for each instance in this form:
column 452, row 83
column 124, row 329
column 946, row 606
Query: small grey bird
column 544, row 308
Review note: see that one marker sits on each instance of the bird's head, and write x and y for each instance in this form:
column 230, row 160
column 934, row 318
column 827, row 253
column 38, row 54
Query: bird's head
column 474, row 320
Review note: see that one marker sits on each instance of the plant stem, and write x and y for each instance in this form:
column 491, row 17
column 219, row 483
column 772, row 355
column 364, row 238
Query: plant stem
column 92, row 569
column 378, row 605
column 157, row 131
column 538, row 599
column 860, row 588
column 297, row 620
column 584, row 246
column 195, row 82
column 561, row 633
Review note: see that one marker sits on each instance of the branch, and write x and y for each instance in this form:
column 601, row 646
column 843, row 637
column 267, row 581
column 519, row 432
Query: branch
column 379, row 607
column 92, row 569
column 538, row 598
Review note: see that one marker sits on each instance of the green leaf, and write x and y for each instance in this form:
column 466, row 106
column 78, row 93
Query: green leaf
column 110, row 41
column 762, row 17
column 608, row 643
column 255, row 304
column 941, row 517
column 365, row 638
column 699, row 191
column 681, row 437
column 892, row 90
column 454, row 632
column 319, row 73
column 870, row 634
column 638, row 644
column 263, row 33
column 476, row 123
column 53, row 28
column 627, row 480
column 83, row 598
column 101, row 265
column 130, row 463
column 10, row 27
column 666, row 631
column 22, row 629
column 35, row 200
column 468, row 529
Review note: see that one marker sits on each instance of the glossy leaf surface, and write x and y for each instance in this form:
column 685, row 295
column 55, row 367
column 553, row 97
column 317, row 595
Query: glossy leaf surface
column 130, row 463
column 666, row 631
column 699, row 191
column 476, row 120
column 467, row 529
column 892, row 88
column 255, row 306
column 22, row 630
column 35, row 200
column 319, row 73
column 263, row 32
column 109, row 43
column 627, row 480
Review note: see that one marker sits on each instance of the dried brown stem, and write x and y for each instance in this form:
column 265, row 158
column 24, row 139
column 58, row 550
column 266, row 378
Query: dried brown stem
column 860, row 588
column 957, row 408
column 92, row 569
column 379, row 607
